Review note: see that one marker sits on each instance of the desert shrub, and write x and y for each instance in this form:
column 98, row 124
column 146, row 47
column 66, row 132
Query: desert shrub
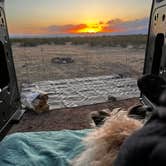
column 29, row 44
column 103, row 41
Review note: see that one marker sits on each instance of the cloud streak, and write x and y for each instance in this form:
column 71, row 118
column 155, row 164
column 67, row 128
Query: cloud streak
column 65, row 28
column 132, row 26
column 113, row 26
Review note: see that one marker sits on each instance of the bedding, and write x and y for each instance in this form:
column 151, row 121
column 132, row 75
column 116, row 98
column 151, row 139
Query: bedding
column 54, row 148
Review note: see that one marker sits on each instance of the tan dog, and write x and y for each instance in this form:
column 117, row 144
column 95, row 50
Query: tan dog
column 103, row 144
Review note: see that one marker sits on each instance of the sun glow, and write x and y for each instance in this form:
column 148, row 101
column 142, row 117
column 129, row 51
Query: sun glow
column 91, row 28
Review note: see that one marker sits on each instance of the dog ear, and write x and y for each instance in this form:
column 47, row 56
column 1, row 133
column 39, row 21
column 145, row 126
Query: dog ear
column 138, row 112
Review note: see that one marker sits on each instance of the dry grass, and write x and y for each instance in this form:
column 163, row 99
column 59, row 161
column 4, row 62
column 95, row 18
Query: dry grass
column 34, row 63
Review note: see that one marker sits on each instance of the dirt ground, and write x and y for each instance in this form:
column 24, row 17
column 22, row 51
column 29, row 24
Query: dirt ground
column 72, row 118
column 35, row 63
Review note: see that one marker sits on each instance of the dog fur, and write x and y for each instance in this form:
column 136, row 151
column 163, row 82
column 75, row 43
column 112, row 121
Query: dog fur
column 103, row 144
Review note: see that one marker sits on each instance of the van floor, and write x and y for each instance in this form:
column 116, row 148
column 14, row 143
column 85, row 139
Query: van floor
column 66, row 119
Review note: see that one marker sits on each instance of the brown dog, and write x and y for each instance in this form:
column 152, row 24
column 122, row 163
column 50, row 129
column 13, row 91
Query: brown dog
column 103, row 144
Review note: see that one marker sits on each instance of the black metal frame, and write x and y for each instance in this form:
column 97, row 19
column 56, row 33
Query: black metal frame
column 157, row 26
column 9, row 94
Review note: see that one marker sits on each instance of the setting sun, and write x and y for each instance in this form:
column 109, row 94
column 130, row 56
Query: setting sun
column 90, row 28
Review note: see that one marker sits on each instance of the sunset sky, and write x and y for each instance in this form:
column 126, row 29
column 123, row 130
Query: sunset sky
column 77, row 16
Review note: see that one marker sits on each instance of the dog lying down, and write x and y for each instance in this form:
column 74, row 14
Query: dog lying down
column 103, row 144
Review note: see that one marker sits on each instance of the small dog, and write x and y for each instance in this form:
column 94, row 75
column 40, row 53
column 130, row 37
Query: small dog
column 146, row 146
column 103, row 144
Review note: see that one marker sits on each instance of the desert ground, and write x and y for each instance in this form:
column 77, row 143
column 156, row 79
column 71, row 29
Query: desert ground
column 36, row 63
column 45, row 61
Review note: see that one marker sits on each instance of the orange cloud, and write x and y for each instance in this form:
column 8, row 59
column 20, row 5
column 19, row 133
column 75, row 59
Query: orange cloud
column 77, row 28
column 80, row 28
column 65, row 29
column 114, row 26
column 111, row 26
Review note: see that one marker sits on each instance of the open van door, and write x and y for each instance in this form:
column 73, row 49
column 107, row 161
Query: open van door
column 155, row 60
column 9, row 93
